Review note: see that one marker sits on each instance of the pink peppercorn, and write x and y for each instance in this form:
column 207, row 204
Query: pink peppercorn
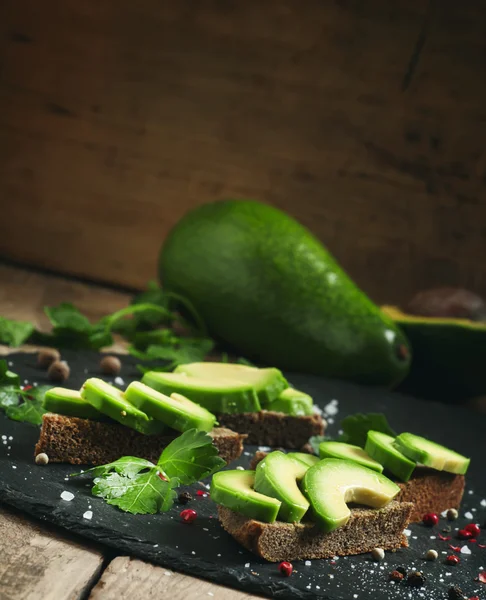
column 188, row 515
column 285, row 568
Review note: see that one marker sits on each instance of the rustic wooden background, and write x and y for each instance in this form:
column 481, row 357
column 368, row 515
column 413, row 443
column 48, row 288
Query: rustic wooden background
column 366, row 120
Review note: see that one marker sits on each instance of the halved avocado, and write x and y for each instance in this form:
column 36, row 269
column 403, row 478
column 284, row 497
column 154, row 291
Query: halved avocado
column 431, row 454
column 110, row 401
column 350, row 452
column 176, row 411
column 220, row 396
column 333, row 483
column 69, row 402
column 234, row 490
column 292, row 402
column 448, row 356
column 267, row 383
column 381, row 447
column 277, row 476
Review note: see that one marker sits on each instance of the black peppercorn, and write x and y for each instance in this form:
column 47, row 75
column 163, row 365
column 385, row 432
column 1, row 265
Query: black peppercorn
column 416, row 579
column 184, row 497
column 455, row 593
column 401, row 570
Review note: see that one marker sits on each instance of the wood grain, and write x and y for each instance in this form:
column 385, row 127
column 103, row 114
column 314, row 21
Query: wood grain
column 364, row 120
column 40, row 564
column 133, row 579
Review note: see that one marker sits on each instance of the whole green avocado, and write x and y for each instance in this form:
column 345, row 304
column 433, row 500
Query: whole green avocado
column 267, row 287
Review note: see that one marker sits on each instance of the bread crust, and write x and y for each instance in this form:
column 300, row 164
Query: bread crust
column 365, row 530
column 85, row 442
column 275, row 429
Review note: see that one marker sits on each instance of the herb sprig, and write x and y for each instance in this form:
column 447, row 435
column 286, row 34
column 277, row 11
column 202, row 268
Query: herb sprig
column 137, row 486
column 20, row 403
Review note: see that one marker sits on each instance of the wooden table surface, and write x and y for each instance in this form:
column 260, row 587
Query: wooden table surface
column 42, row 562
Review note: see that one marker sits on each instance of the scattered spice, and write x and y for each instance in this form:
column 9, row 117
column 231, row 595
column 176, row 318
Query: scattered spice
column 378, row 554
column 431, row 555
column 464, row 534
column 188, row 515
column 481, row 545
column 455, row 548
column 444, row 538
column 285, row 568
column 452, row 559
column 473, row 528
column 455, row 593
column 482, row 577
column 184, row 497
column 430, row 519
column 201, row 493
column 41, row 459
column 46, row 357
column 396, row 575
column 110, row 365
column 401, row 570
column 452, row 514
column 416, row 579
column 58, row 372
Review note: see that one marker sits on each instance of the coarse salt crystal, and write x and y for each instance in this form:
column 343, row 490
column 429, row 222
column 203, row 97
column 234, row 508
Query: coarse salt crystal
column 247, row 565
column 465, row 550
column 331, row 408
column 67, row 496
column 264, row 448
column 240, row 468
column 88, row 515
column 407, row 532
column 119, row 381
column 469, row 515
column 307, row 563
column 483, row 502
column 14, row 466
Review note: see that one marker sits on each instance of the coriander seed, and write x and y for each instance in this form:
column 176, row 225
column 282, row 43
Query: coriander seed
column 110, row 365
column 58, row 372
column 46, row 357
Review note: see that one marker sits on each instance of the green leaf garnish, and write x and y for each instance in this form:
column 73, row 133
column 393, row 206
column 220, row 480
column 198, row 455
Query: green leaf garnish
column 190, row 457
column 20, row 404
column 14, row 333
column 137, row 486
column 30, row 411
column 355, row 427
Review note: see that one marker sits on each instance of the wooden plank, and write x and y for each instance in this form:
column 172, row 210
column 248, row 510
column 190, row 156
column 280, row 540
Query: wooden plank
column 134, row 579
column 365, row 120
column 40, row 564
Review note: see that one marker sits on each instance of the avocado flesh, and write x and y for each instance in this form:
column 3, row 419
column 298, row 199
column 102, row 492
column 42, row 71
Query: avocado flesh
column 266, row 286
column 222, row 396
column 267, row 383
column 333, row 483
column 175, row 411
column 69, row 402
column 431, row 454
column 349, row 452
column 308, row 459
column 110, row 401
column 448, row 356
column 381, row 448
column 292, row 402
column 234, row 490
column 276, row 476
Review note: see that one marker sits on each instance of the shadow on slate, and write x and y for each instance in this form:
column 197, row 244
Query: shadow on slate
column 203, row 549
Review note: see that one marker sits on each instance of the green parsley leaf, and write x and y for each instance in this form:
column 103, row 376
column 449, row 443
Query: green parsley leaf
column 14, row 333
column 128, row 466
column 190, row 457
column 67, row 316
column 9, row 396
column 355, row 427
column 30, row 411
column 186, row 351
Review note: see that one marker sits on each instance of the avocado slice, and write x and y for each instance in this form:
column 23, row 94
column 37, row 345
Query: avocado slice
column 221, row 396
column 292, row 402
column 110, row 401
column 176, row 411
column 234, row 490
column 276, row 476
column 267, row 383
column 308, row 459
column 333, row 483
column 431, row 454
column 380, row 446
column 350, row 452
column 69, row 402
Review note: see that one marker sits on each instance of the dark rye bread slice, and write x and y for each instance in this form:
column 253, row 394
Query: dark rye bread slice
column 429, row 490
column 366, row 529
column 269, row 428
column 84, row 442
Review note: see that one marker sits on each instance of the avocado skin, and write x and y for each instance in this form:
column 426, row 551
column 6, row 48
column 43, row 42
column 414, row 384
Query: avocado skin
column 449, row 357
column 265, row 286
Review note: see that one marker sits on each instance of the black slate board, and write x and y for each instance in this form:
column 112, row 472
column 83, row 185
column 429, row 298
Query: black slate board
column 203, row 549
